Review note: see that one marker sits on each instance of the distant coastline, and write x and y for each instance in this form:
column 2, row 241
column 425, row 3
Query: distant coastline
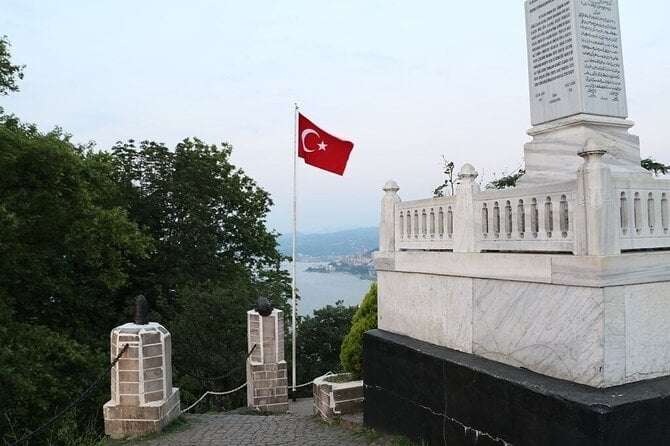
column 362, row 269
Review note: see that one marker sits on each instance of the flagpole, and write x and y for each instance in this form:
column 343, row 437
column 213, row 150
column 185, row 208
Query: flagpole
column 294, row 253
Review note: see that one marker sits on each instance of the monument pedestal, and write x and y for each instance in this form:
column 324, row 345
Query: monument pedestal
column 143, row 399
column 267, row 382
column 539, row 314
column 553, row 154
column 441, row 396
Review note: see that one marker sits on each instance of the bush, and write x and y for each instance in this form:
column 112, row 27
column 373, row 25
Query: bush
column 365, row 318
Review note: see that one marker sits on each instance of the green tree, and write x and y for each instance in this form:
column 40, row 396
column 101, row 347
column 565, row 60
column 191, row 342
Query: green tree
column 319, row 339
column 41, row 371
column 9, row 73
column 64, row 254
column 213, row 255
column 449, row 183
column 351, row 352
column 654, row 166
column 506, row 180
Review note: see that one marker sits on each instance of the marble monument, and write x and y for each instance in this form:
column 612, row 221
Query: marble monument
column 555, row 290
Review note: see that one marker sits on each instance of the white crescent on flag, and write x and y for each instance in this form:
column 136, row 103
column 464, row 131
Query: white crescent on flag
column 304, row 135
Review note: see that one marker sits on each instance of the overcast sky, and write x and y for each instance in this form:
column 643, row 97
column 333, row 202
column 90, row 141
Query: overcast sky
column 406, row 81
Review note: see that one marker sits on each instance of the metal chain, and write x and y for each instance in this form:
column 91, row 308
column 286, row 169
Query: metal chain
column 70, row 406
column 242, row 364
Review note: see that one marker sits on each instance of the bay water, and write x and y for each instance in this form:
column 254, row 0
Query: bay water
column 316, row 290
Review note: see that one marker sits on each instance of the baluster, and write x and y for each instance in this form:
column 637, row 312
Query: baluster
column 637, row 212
column 623, row 211
column 440, row 223
column 409, row 225
column 485, row 220
column 564, row 215
column 548, row 217
column 424, row 223
column 521, row 219
column 402, row 226
column 664, row 213
column 651, row 212
column 416, row 224
column 432, row 223
column 450, row 222
column 508, row 219
column 534, row 217
column 496, row 219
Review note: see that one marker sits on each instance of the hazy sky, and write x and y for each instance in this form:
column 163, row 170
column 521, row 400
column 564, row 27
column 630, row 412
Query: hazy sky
column 406, row 81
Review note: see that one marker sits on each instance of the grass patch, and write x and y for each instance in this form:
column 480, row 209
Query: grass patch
column 373, row 437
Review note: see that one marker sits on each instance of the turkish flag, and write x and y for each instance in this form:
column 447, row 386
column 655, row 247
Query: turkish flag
column 321, row 149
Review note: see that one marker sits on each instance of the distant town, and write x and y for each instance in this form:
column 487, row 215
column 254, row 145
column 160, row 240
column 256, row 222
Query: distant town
column 357, row 265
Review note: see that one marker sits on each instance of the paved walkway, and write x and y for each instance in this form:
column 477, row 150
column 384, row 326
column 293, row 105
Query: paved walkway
column 298, row 428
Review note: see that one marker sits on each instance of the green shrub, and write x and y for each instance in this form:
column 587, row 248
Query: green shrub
column 365, row 318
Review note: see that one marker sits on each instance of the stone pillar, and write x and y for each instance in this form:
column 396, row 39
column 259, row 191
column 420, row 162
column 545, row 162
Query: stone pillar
column 387, row 229
column 464, row 228
column 142, row 397
column 266, row 368
column 597, row 227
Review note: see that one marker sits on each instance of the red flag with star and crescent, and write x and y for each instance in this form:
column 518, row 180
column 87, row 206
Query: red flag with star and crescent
column 321, row 149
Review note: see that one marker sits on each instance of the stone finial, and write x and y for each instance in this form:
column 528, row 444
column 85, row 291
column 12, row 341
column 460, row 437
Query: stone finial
column 592, row 148
column 141, row 310
column 391, row 187
column 264, row 306
column 467, row 173
column 387, row 223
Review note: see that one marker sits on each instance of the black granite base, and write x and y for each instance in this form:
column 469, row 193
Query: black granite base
column 440, row 396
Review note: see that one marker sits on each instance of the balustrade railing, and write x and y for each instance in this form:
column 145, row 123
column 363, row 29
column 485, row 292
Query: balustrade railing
column 557, row 218
column 426, row 224
column 643, row 217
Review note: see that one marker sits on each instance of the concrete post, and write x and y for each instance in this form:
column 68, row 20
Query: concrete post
column 596, row 228
column 267, row 383
column 142, row 397
column 387, row 229
column 464, row 220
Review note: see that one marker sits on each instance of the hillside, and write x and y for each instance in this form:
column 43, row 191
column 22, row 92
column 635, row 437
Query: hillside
column 334, row 244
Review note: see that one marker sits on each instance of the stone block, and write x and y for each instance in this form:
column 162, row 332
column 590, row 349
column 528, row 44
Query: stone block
column 152, row 350
column 150, row 374
column 129, row 377
column 129, row 388
column 131, row 353
column 128, row 364
column 151, row 363
column 129, row 400
column 152, row 386
column 150, row 338
column 153, row 396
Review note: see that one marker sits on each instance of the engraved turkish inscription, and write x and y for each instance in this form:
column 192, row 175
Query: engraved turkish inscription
column 574, row 59
column 552, row 47
column 600, row 51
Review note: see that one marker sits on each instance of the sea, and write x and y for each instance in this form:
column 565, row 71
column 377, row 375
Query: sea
column 316, row 290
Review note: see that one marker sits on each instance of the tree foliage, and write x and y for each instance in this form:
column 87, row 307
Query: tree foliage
column 212, row 255
column 319, row 339
column 9, row 73
column 65, row 252
column 83, row 232
column 654, row 166
column 506, row 180
column 449, row 183
column 365, row 318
